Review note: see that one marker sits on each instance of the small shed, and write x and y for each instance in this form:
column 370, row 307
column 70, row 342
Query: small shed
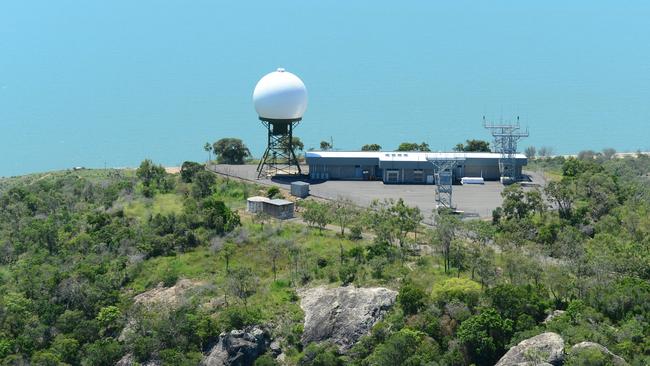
column 279, row 208
column 300, row 189
column 255, row 204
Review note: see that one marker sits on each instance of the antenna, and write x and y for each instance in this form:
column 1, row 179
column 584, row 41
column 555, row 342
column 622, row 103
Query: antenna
column 506, row 136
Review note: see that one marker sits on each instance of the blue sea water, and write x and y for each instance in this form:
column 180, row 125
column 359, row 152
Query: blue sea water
column 97, row 83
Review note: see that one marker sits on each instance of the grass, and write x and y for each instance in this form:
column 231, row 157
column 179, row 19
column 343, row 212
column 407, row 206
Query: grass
column 93, row 175
column 163, row 204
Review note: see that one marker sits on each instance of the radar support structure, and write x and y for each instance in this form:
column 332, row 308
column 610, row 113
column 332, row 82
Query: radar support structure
column 506, row 136
column 279, row 156
column 443, row 170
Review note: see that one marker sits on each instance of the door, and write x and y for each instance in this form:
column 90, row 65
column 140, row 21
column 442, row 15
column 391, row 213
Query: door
column 392, row 176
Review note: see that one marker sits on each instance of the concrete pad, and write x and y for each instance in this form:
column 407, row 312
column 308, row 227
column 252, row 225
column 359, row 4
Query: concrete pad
column 474, row 199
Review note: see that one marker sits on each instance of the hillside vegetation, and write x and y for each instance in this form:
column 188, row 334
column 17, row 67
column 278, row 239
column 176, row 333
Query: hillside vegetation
column 98, row 264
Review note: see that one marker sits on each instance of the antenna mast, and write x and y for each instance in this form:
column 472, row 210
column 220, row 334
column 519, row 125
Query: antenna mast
column 506, row 136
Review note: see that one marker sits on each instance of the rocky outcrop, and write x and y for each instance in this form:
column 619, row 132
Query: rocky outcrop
column 553, row 315
column 616, row 360
column 544, row 348
column 169, row 297
column 161, row 298
column 238, row 348
column 342, row 315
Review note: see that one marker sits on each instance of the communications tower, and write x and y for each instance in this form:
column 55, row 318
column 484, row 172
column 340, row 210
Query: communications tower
column 506, row 136
column 280, row 99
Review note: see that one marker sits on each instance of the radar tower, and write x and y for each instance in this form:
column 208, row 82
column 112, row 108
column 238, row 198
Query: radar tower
column 280, row 99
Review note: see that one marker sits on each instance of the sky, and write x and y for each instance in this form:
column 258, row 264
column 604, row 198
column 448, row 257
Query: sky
column 109, row 83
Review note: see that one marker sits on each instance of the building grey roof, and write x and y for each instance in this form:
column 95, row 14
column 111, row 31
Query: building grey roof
column 258, row 199
column 279, row 202
column 407, row 155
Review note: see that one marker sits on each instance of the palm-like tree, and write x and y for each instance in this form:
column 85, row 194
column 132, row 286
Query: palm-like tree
column 208, row 148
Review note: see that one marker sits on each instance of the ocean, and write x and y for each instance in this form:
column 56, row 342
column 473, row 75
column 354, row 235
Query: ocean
column 109, row 83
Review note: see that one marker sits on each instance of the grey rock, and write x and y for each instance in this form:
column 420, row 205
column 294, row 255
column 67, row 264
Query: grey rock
column 239, row 347
column 543, row 348
column 129, row 360
column 342, row 315
column 616, row 360
column 554, row 315
column 275, row 348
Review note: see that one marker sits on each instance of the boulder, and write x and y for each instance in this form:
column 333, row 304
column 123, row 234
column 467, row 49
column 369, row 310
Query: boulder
column 342, row 315
column 238, row 348
column 168, row 297
column 544, row 348
column 616, row 360
column 554, row 315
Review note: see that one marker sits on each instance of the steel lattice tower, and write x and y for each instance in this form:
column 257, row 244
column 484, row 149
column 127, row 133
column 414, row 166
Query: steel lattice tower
column 279, row 156
column 443, row 171
column 506, row 136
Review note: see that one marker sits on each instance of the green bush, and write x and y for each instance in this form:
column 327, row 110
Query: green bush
column 411, row 298
column 235, row 317
column 461, row 289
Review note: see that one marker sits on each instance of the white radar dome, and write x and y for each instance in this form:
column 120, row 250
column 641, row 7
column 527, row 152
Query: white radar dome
column 280, row 95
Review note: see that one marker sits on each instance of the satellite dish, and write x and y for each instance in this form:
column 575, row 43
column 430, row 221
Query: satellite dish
column 280, row 95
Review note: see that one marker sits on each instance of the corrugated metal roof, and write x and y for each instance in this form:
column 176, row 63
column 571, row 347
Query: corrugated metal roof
column 406, row 156
column 258, row 199
column 279, row 202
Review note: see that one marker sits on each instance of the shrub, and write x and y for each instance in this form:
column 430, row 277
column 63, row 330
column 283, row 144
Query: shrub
column 411, row 298
column 235, row 317
column 273, row 192
column 461, row 289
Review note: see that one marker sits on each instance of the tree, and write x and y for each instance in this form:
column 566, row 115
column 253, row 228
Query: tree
column 485, row 336
column 295, row 142
column 208, row 148
column 406, row 219
column 227, row 252
column 412, row 146
column 371, row 147
column 316, row 214
column 189, row 169
column 530, row 152
column 230, row 151
column 152, row 177
column 243, row 283
column 473, row 146
column 110, row 319
column 203, row 183
column 446, row 226
column 217, row 216
column 411, row 298
column 343, row 211
column 519, row 204
column 275, row 250
column 563, row 195
column 404, row 347
column 545, row 151
column 609, row 153
column 325, row 145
